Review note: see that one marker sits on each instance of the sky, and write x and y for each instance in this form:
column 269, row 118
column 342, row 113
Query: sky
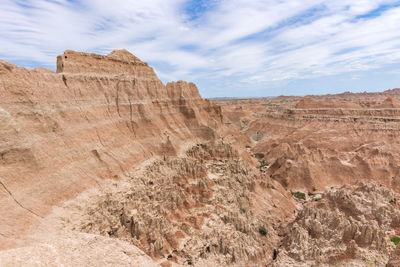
column 236, row 48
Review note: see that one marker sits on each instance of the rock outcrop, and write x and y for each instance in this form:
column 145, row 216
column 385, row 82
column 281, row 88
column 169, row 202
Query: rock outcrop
column 203, row 208
column 95, row 118
column 345, row 226
column 103, row 160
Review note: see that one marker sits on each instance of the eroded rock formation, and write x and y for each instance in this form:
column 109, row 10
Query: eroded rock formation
column 103, row 159
column 345, row 226
column 96, row 118
column 313, row 146
column 202, row 208
column 342, row 145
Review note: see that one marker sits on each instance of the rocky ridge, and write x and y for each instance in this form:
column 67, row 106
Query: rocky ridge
column 96, row 118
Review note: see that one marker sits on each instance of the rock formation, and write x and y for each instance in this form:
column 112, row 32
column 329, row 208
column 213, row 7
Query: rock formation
column 103, row 147
column 312, row 149
column 201, row 208
column 343, row 226
column 96, row 118
column 342, row 145
column 102, row 164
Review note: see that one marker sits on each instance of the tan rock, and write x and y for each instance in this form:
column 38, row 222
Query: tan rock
column 96, row 118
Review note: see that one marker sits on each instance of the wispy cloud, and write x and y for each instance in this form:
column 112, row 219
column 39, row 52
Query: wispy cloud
column 227, row 46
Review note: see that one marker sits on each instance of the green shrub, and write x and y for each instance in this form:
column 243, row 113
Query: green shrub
column 299, row 195
column 317, row 199
column 262, row 164
column 262, row 230
column 395, row 239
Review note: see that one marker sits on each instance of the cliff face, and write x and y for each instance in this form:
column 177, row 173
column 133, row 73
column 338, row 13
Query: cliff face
column 97, row 117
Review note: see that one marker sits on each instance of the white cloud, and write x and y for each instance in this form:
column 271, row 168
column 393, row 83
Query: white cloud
column 251, row 42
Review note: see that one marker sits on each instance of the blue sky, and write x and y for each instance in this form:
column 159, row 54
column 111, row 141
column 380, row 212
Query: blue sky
column 227, row 47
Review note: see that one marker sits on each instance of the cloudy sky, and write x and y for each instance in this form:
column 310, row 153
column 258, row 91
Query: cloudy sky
column 227, row 47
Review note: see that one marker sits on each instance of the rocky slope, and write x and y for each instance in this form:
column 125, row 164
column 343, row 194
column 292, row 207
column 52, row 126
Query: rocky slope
column 96, row 118
column 202, row 208
column 103, row 165
column 314, row 146
column 102, row 156
column 347, row 226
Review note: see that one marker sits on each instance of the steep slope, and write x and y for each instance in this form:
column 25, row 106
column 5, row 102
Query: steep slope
column 96, row 118
column 102, row 156
column 204, row 207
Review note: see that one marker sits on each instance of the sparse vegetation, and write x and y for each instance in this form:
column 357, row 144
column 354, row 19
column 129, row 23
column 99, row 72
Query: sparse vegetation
column 370, row 262
column 298, row 195
column 395, row 239
column 262, row 164
column 262, row 230
column 317, row 198
column 242, row 210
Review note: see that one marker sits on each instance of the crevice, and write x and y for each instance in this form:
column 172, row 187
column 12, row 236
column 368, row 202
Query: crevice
column 131, row 118
column 76, row 100
column 16, row 201
column 275, row 254
column 65, row 80
column 106, row 97
column 117, row 98
column 98, row 136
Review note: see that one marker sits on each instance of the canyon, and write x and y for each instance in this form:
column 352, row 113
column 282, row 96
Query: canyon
column 102, row 164
column 316, row 147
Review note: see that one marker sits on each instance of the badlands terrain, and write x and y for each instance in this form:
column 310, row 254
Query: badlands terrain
column 101, row 164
